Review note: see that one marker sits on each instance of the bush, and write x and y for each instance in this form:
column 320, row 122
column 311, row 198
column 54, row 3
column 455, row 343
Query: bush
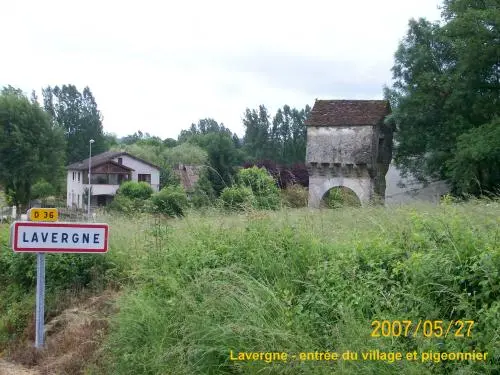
column 171, row 200
column 135, row 190
column 42, row 189
column 340, row 196
column 262, row 185
column 126, row 205
column 295, row 196
column 204, row 194
column 237, row 197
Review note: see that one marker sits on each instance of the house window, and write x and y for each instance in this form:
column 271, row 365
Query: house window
column 120, row 161
column 73, row 176
column 78, row 176
column 144, row 178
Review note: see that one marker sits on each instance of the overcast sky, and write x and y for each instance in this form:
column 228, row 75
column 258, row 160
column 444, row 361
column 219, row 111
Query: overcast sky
column 159, row 66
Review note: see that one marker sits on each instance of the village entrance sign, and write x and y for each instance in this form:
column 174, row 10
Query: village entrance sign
column 43, row 234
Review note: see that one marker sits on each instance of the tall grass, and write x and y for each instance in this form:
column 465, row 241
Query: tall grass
column 303, row 281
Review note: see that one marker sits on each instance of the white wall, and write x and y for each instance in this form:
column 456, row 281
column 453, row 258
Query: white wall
column 412, row 190
column 74, row 189
column 141, row 168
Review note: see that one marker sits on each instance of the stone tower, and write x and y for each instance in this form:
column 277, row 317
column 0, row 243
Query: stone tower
column 349, row 145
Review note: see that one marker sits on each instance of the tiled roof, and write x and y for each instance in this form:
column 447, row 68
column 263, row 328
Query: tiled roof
column 103, row 158
column 348, row 112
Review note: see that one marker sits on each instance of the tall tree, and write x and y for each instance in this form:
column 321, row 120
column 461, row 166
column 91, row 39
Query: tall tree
column 282, row 139
column 222, row 147
column 78, row 115
column 31, row 146
column 257, row 129
column 447, row 85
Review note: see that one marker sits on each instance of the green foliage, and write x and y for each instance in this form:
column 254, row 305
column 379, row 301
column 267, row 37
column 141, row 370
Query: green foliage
column 281, row 139
column 446, row 84
column 237, row 198
column 295, row 196
column 263, row 186
column 297, row 281
column 338, row 197
column 31, row 148
column 203, row 194
column 223, row 151
column 42, row 189
column 171, row 201
column 131, row 198
column 135, row 190
column 126, row 205
column 185, row 153
column 475, row 166
column 77, row 114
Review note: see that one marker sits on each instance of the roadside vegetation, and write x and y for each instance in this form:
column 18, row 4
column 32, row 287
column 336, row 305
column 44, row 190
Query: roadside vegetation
column 195, row 288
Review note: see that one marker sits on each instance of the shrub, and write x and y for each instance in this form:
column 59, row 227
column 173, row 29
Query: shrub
column 295, row 196
column 237, row 197
column 42, row 189
column 135, row 190
column 340, row 196
column 171, row 200
column 262, row 185
column 203, row 194
column 125, row 205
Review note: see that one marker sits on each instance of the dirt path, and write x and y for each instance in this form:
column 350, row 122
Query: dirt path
column 72, row 337
column 8, row 368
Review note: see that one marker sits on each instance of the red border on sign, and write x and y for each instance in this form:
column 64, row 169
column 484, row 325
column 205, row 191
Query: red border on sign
column 17, row 224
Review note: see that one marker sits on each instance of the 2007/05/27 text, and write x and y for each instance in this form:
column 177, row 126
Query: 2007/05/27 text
column 426, row 328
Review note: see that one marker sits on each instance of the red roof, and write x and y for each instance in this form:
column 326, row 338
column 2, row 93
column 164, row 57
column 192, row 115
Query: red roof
column 348, row 112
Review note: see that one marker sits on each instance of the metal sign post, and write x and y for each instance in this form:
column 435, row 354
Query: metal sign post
column 47, row 215
column 43, row 234
column 40, row 299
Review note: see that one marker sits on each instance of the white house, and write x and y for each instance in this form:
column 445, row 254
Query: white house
column 108, row 171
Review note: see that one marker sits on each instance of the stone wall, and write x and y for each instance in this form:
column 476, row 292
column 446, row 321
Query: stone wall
column 340, row 145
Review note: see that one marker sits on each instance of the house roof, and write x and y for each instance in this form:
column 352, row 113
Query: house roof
column 348, row 112
column 105, row 157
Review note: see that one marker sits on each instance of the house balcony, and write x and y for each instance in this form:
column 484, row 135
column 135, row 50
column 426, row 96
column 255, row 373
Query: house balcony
column 104, row 189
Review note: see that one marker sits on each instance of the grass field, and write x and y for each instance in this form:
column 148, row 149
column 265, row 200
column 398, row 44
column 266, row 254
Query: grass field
column 196, row 290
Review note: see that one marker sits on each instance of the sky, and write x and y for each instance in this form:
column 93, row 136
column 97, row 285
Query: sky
column 159, row 66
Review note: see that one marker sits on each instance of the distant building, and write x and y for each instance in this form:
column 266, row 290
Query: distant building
column 108, row 171
column 350, row 145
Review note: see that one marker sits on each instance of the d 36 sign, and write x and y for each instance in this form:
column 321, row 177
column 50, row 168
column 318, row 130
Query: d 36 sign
column 43, row 214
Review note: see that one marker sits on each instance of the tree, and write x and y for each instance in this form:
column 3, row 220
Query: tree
column 475, row 167
column 446, row 88
column 282, row 139
column 31, row 147
column 78, row 115
column 42, row 190
column 257, row 133
column 221, row 146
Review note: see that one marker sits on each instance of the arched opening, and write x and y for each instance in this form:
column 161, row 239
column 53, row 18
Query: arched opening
column 340, row 196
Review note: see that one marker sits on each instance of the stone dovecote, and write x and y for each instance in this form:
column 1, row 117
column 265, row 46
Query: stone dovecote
column 348, row 144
